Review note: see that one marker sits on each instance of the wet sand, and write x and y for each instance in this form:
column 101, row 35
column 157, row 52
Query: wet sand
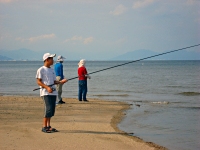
column 81, row 125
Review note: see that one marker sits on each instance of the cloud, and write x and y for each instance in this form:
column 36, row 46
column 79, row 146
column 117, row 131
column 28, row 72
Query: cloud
column 6, row 1
column 80, row 39
column 120, row 9
column 144, row 3
column 88, row 40
column 76, row 38
column 121, row 41
column 34, row 39
column 191, row 2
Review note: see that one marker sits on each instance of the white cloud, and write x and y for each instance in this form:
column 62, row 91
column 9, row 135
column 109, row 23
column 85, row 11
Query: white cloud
column 88, row 40
column 34, row 39
column 121, row 41
column 191, row 2
column 76, row 38
column 7, row 1
column 120, row 9
column 144, row 3
column 80, row 39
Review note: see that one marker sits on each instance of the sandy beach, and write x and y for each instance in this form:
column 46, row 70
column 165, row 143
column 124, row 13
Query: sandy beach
column 81, row 125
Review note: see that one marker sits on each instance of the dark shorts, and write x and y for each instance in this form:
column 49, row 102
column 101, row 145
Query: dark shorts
column 49, row 105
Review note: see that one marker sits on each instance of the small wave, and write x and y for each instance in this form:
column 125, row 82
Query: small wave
column 189, row 93
column 174, row 86
column 194, row 108
column 160, row 102
column 102, row 95
column 190, row 108
column 118, row 91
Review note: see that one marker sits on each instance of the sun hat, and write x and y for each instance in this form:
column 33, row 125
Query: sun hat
column 47, row 55
column 81, row 63
column 60, row 58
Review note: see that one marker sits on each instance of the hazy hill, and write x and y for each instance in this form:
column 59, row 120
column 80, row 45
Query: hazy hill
column 22, row 54
column 139, row 54
column 26, row 54
column 4, row 58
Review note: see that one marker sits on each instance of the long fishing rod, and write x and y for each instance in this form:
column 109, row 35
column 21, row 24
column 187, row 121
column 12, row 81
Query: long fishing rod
column 41, row 88
column 133, row 61
column 50, row 86
column 140, row 60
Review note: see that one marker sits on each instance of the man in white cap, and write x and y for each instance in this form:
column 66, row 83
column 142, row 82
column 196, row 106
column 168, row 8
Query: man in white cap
column 46, row 79
column 59, row 76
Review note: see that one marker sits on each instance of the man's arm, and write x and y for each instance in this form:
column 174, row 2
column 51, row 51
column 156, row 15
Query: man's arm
column 61, row 81
column 39, row 82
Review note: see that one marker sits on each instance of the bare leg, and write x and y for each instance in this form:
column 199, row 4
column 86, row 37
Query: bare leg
column 46, row 122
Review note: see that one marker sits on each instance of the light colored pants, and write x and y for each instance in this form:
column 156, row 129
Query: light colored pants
column 59, row 88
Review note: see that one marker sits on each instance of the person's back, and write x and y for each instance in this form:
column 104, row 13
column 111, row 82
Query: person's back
column 59, row 70
column 82, row 72
column 58, row 67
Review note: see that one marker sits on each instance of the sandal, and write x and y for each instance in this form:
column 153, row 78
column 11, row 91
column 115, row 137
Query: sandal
column 46, row 130
column 52, row 129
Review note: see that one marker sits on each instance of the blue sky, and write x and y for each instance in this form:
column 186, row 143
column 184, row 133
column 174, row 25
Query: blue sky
column 99, row 29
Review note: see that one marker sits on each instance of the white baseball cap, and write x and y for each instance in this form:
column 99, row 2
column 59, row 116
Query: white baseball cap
column 60, row 58
column 47, row 55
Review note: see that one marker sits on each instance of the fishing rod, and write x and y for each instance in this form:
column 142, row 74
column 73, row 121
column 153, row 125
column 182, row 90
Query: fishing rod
column 62, row 81
column 48, row 85
column 133, row 62
column 144, row 58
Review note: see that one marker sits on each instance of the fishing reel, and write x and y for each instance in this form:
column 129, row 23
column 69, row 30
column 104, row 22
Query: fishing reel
column 53, row 89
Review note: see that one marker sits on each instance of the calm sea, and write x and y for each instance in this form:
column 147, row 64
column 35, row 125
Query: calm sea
column 165, row 95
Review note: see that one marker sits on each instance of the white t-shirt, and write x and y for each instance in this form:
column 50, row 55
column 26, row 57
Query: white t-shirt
column 48, row 77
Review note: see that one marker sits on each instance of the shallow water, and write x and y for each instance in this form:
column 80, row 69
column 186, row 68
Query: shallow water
column 165, row 95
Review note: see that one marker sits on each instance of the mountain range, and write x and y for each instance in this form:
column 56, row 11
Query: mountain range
column 26, row 54
column 21, row 54
column 140, row 54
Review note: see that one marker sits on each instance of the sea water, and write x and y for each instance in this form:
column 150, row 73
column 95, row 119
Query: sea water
column 165, row 95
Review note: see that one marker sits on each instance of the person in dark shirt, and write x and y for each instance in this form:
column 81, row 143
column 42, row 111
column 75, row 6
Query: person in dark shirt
column 82, row 75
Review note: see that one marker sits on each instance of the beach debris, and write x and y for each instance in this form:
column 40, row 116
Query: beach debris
column 131, row 134
column 160, row 102
column 137, row 105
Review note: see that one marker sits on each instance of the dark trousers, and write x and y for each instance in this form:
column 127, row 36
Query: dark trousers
column 82, row 84
column 49, row 105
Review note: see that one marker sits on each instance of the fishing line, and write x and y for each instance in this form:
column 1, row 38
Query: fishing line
column 139, row 60
column 133, row 62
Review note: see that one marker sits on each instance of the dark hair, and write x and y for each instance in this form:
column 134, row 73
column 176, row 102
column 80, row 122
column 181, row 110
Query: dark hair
column 47, row 58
